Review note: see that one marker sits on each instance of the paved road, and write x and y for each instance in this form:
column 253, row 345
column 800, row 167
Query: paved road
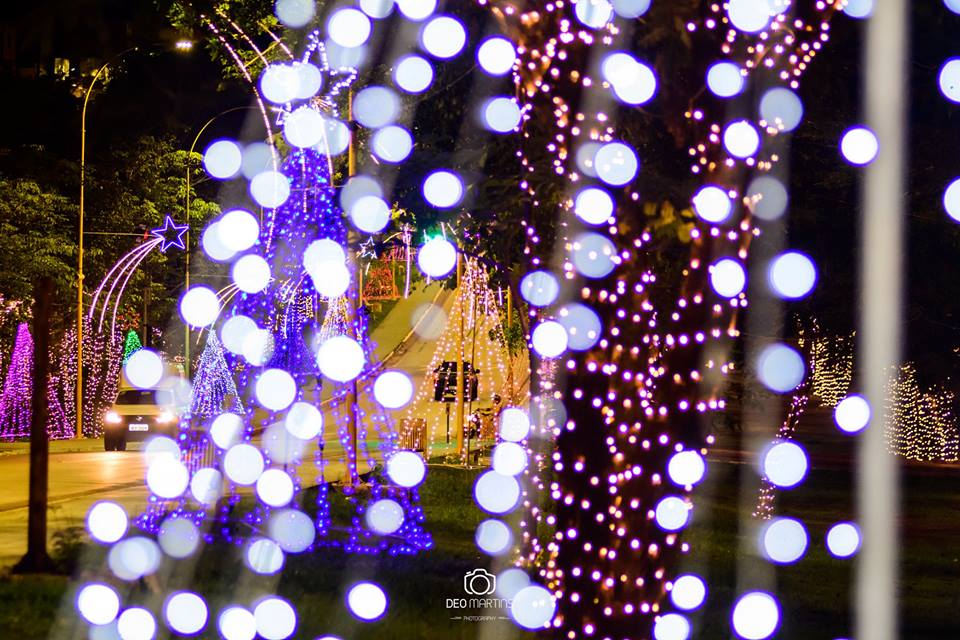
column 79, row 478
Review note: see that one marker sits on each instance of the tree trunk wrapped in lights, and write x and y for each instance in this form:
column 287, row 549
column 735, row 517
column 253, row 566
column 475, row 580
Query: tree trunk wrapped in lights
column 641, row 393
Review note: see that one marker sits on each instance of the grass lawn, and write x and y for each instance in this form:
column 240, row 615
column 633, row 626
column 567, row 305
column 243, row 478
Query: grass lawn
column 815, row 593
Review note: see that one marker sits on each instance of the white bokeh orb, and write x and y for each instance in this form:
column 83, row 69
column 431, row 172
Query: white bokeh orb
column 631, row 8
column 785, row 464
column 144, row 369
column 136, row 623
column 756, row 616
column 496, row 55
column 331, row 280
column 712, row 204
column 768, row 196
column 501, row 115
column 270, row 189
column 509, row 459
column 392, row 144
column 859, row 146
column 496, row 493
column 443, row 37
column 304, row 127
column 98, row 603
column 276, row 389
column 167, row 478
column 243, row 464
column 341, row 358
column 686, row 468
column 593, row 205
column 843, row 539
column 792, row 275
column 413, row 74
column 783, row 540
column 689, row 591
column 304, row 421
column 749, row 16
column 264, row 556
column 384, row 516
column 199, row 306
column 417, row 10
column 780, row 368
column 366, row 601
column 616, row 163
column 539, row 288
column 443, row 189
column 533, row 607
column 275, row 618
column 859, row 8
column 951, row 200
column 672, row 513
column 251, row 273
column 370, row 214
column 212, row 244
column 238, row 230
column 582, row 324
column 178, row 537
column 949, row 79
column 406, row 468
column 632, row 81
column 280, row 83
column 226, row 430
column 376, row 107
column 741, row 139
column 671, row 626
column 275, row 488
column 549, row 339
column 132, row 558
column 728, row 277
column 514, row 424
column 222, row 159
column 293, row 14
column 206, row 485
column 493, row 537
column 236, row 623
column 107, row 521
column 437, row 257
column 781, row 108
column 292, row 529
column 393, row 389
column 348, row 27
column 377, row 8
column 594, row 13
column 185, row 613
column 724, row 79
column 234, row 331
column 852, row 414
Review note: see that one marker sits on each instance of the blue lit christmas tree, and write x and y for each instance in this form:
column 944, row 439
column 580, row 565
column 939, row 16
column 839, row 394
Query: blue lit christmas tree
column 214, row 390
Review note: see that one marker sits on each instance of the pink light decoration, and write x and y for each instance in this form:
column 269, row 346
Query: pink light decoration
column 15, row 398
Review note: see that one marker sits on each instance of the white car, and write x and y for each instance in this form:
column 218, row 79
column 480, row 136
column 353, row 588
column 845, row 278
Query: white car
column 137, row 415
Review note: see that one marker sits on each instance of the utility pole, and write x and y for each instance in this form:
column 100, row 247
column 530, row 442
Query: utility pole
column 353, row 412
column 506, row 341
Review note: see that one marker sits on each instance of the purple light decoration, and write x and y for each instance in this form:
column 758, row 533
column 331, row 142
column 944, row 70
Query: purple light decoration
column 214, row 390
column 170, row 234
column 17, row 388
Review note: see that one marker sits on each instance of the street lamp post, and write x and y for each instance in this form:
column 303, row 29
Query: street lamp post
column 83, row 158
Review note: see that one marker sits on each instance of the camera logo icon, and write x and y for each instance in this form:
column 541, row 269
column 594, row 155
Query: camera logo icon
column 479, row 582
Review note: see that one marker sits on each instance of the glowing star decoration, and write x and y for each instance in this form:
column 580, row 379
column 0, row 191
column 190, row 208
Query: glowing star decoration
column 728, row 277
column 98, row 603
column 144, row 369
column 107, row 522
column 366, row 601
column 725, row 80
column 443, row 189
column 616, row 163
column 437, row 257
column 780, row 368
column 185, row 612
column 741, row 139
column 348, row 27
column 170, row 234
column 443, row 37
column 384, row 516
column 533, row 607
column 785, row 464
column 393, row 389
column 406, row 468
column 712, row 204
column 843, row 539
column 672, row 513
column 749, row 16
column 539, row 288
column 549, row 339
column 792, row 275
column 496, row 56
column 686, row 468
column 756, row 616
column 275, row 618
column 341, row 358
column 783, row 540
column 671, row 626
column 199, row 306
column 688, row 593
column 493, row 537
column 593, row 205
column 222, row 159
column 413, row 74
column 859, row 146
column 852, row 414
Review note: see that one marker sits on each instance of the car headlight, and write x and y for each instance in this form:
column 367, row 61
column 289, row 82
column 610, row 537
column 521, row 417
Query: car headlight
column 113, row 417
column 165, row 417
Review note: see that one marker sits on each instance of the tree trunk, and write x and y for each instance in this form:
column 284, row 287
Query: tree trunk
column 36, row 559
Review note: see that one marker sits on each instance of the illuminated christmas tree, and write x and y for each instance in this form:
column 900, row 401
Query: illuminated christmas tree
column 131, row 345
column 16, row 395
column 214, row 390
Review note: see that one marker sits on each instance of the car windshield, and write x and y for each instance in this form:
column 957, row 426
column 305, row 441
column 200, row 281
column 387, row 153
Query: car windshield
column 137, row 396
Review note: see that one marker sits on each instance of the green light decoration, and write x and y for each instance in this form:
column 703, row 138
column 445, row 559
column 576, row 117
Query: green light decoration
column 131, row 345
